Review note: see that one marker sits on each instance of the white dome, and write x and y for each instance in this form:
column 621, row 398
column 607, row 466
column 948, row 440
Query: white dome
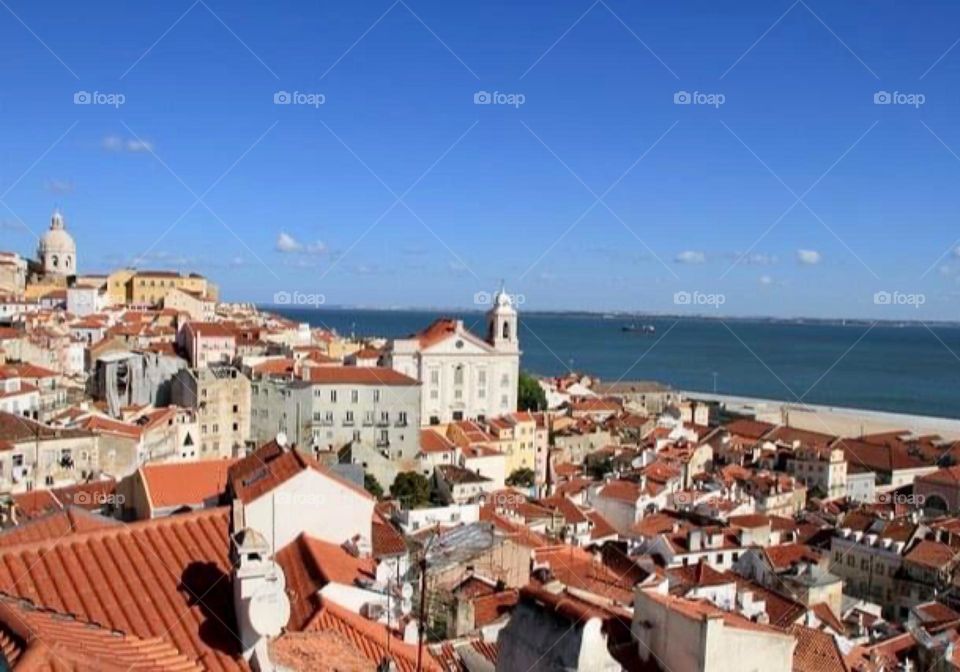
column 57, row 250
column 57, row 240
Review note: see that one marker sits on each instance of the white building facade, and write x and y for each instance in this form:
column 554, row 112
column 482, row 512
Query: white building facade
column 463, row 376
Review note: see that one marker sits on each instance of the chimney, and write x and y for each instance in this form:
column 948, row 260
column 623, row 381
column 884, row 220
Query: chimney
column 259, row 597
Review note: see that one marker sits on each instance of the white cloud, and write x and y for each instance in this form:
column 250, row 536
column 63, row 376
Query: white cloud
column 114, row 143
column 690, row 257
column 808, row 257
column 766, row 280
column 139, row 146
column 288, row 244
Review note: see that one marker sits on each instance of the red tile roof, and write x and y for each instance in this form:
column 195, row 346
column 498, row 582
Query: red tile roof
column 436, row 332
column 931, row 554
column 434, row 442
column 166, row 578
column 816, row 651
column 357, row 375
column 210, row 330
column 55, row 525
column 488, row 608
column 369, row 638
column 37, row 639
column 577, row 568
column 385, row 539
column 272, row 465
column 184, row 483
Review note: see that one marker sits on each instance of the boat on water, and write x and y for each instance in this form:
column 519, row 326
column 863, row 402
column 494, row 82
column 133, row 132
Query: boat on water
column 639, row 328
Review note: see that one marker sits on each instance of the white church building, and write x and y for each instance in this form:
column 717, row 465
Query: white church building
column 463, row 376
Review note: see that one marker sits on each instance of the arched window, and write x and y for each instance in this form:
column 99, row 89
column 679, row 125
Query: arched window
column 55, row 260
column 458, row 375
column 66, row 262
column 506, row 331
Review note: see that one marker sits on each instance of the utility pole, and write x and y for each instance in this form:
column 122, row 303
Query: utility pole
column 423, row 597
column 423, row 609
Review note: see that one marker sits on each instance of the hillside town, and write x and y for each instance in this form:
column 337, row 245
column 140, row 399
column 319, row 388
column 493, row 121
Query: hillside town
column 191, row 484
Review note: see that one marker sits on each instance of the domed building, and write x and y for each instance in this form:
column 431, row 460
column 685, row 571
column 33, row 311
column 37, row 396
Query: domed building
column 57, row 252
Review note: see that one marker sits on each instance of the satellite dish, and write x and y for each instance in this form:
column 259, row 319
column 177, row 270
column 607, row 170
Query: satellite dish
column 269, row 612
column 282, row 439
column 406, row 591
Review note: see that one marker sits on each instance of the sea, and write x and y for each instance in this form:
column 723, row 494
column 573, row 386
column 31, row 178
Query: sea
column 903, row 368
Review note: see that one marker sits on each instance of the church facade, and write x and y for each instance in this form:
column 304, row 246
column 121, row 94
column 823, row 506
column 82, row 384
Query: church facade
column 463, row 376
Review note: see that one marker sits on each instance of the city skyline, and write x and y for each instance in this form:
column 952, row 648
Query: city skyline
column 787, row 160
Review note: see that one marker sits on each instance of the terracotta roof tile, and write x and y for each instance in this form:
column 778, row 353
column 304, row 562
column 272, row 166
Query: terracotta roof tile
column 166, row 578
column 272, row 465
column 55, row 525
column 816, row 651
column 357, row 375
column 38, row 639
column 184, row 483
column 369, row 638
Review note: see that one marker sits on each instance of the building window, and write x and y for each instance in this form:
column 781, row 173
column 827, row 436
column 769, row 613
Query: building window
column 458, row 375
column 354, row 396
column 333, row 396
column 376, row 396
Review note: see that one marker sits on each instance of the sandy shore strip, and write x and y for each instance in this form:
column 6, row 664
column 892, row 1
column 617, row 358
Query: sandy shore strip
column 839, row 420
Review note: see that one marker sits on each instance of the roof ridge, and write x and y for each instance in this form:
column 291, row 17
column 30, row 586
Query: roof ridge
column 122, row 528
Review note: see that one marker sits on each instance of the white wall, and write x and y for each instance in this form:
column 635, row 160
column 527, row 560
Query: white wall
column 310, row 503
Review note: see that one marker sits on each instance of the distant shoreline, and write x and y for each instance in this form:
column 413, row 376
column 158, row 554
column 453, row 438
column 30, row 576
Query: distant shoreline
column 621, row 315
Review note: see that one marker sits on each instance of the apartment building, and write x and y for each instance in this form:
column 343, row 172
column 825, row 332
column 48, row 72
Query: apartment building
column 149, row 288
column 371, row 413
column 220, row 396
column 207, row 343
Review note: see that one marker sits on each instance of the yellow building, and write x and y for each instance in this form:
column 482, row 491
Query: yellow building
column 516, row 435
column 131, row 287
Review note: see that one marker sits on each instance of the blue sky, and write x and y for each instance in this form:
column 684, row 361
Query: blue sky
column 298, row 197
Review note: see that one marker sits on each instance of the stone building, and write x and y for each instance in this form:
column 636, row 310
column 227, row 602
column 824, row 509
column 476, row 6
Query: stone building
column 220, row 395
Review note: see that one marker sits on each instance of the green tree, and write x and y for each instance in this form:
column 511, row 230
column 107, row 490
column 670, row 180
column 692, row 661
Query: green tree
column 372, row 485
column 521, row 478
column 530, row 396
column 412, row 489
